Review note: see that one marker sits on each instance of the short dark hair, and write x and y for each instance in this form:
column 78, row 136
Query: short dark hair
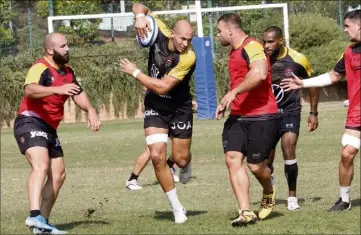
column 275, row 29
column 353, row 15
column 232, row 18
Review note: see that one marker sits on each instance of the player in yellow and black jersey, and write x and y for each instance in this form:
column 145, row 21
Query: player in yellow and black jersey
column 284, row 62
column 168, row 102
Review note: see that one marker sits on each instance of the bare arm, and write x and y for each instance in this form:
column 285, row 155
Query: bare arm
column 160, row 86
column 314, row 96
column 36, row 91
column 83, row 102
column 257, row 73
column 335, row 76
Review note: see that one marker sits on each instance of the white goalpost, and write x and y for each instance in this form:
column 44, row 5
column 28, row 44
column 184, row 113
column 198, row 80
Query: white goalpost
column 198, row 11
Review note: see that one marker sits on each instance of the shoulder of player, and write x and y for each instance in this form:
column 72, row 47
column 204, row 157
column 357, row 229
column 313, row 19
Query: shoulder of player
column 298, row 57
column 253, row 46
column 188, row 57
column 38, row 68
column 161, row 25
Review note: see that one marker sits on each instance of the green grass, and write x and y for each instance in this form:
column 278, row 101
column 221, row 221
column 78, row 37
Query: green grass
column 99, row 163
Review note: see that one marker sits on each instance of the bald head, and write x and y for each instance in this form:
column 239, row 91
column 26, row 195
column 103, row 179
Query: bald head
column 56, row 47
column 52, row 39
column 183, row 25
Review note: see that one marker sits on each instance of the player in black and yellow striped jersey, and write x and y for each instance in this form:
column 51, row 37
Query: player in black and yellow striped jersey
column 284, row 62
column 168, row 102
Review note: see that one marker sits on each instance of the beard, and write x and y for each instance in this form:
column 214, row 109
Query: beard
column 275, row 52
column 60, row 59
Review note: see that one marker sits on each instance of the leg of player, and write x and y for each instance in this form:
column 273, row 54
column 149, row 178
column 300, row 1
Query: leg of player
column 56, row 178
column 288, row 145
column 263, row 174
column 240, row 185
column 270, row 160
column 182, row 156
column 39, row 161
column 157, row 139
column 351, row 143
column 141, row 162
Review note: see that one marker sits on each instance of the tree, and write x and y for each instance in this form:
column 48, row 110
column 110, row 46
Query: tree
column 79, row 31
column 6, row 34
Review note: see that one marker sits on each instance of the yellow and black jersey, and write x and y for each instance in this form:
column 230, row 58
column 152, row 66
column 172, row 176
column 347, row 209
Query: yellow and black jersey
column 289, row 62
column 162, row 60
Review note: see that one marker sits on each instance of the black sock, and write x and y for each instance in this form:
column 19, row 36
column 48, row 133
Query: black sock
column 133, row 177
column 291, row 172
column 34, row 213
column 170, row 162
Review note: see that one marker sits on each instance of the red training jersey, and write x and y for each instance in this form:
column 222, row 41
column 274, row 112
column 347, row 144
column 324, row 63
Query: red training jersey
column 51, row 108
column 260, row 100
column 350, row 64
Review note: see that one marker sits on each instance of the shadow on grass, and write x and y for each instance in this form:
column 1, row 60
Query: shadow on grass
column 274, row 214
column 300, row 201
column 355, row 202
column 168, row 215
column 71, row 225
column 157, row 182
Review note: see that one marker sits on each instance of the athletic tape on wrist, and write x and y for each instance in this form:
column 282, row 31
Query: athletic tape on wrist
column 136, row 73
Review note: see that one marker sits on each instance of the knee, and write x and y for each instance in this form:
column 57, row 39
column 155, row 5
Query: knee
column 182, row 159
column 289, row 153
column 157, row 158
column 256, row 168
column 231, row 159
column 59, row 178
column 41, row 167
column 347, row 157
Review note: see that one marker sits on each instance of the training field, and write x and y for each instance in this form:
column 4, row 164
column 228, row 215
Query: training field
column 94, row 200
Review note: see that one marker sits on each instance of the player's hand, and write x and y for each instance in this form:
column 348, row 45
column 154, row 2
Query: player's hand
column 141, row 26
column 293, row 83
column 67, row 89
column 312, row 123
column 194, row 106
column 228, row 99
column 127, row 66
column 93, row 120
column 220, row 111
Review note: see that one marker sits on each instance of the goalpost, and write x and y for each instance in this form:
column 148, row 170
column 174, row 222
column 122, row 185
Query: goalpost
column 198, row 11
column 207, row 85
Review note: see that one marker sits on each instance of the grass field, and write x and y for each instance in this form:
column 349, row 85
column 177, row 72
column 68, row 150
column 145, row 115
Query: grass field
column 99, row 163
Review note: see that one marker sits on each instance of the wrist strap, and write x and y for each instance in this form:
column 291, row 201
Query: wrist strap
column 136, row 73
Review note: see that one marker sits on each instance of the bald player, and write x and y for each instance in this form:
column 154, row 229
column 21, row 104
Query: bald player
column 48, row 84
column 168, row 101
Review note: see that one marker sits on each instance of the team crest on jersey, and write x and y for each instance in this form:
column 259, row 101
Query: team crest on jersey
column 168, row 62
column 288, row 72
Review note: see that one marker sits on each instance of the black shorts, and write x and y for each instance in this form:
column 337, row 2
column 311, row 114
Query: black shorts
column 179, row 122
column 34, row 132
column 289, row 122
column 254, row 139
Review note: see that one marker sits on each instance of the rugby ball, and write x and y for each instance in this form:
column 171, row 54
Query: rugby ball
column 152, row 34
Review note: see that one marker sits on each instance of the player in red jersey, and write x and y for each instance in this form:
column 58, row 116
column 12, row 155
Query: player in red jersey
column 251, row 129
column 349, row 65
column 48, row 84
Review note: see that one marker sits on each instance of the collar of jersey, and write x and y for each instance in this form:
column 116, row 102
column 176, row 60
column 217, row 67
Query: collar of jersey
column 52, row 64
column 285, row 52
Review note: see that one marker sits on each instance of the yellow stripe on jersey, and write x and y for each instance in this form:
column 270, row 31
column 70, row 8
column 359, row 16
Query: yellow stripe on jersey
column 34, row 73
column 186, row 62
column 301, row 60
column 163, row 28
column 255, row 51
